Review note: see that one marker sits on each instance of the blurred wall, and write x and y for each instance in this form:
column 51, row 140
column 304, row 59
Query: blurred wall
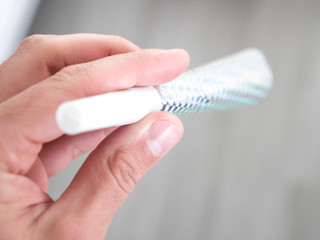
column 251, row 174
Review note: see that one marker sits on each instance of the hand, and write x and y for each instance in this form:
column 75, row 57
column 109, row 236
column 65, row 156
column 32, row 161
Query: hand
column 44, row 72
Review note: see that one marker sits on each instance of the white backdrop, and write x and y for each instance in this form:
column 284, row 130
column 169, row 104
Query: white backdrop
column 15, row 19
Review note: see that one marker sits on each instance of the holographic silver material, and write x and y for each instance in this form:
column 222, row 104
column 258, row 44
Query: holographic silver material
column 242, row 79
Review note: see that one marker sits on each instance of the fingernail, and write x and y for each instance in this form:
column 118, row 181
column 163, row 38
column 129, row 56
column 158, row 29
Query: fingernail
column 162, row 136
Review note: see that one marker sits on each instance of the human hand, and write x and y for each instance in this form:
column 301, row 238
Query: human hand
column 44, row 72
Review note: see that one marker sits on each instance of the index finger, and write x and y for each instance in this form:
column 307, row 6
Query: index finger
column 40, row 56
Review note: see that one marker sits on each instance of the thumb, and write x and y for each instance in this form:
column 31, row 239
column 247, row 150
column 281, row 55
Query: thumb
column 112, row 171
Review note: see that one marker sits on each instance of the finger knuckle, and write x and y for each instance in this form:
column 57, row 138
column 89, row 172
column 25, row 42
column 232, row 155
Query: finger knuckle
column 84, row 69
column 68, row 75
column 72, row 79
column 68, row 72
column 118, row 38
column 33, row 40
column 126, row 169
column 136, row 55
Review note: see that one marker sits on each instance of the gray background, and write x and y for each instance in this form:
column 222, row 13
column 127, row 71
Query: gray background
column 247, row 174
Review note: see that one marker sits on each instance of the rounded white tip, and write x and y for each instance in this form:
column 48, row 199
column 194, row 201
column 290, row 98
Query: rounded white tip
column 68, row 118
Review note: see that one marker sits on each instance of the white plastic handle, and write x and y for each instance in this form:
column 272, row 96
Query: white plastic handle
column 107, row 110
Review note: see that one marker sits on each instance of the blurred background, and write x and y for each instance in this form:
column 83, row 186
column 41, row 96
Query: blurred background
column 252, row 173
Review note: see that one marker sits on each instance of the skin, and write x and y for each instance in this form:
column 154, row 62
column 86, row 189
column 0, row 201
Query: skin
column 46, row 71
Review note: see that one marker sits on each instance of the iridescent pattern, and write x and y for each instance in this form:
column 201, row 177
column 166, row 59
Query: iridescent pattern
column 241, row 79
